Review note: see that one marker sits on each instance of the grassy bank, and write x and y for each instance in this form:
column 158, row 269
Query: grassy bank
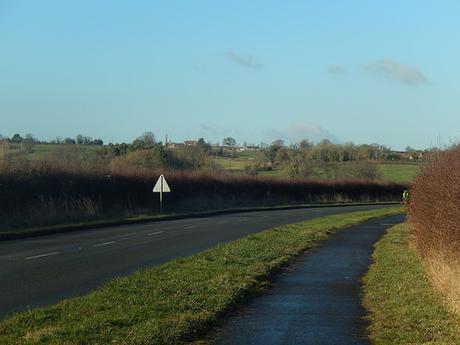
column 178, row 301
column 403, row 307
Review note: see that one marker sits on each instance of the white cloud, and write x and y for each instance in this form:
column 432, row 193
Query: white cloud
column 395, row 71
column 299, row 131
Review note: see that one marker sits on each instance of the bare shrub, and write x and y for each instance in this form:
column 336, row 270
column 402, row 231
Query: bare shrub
column 434, row 216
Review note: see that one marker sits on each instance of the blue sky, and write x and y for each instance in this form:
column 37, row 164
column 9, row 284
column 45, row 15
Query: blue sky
column 361, row 71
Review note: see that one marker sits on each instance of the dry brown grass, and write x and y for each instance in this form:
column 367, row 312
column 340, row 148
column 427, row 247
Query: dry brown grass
column 444, row 275
column 434, row 216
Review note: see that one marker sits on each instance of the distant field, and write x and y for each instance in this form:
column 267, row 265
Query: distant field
column 233, row 163
column 42, row 151
column 388, row 171
column 399, row 172
column 240, row 160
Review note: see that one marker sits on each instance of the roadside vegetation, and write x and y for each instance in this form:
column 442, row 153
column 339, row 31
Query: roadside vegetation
column 179, row 301
column 434, row 219
column 403, row 307
column 412, row 289
column 79, row 180
column 49, row 195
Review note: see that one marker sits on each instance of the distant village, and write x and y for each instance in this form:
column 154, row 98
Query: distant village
column 409, row 154
column 229, row 144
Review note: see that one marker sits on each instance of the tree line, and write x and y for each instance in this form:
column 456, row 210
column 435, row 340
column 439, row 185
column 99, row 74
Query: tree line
column 30, row 139
column 304, row 159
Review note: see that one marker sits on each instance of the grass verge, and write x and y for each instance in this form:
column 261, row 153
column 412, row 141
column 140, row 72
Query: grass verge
column 403, row 308
column 180, row 300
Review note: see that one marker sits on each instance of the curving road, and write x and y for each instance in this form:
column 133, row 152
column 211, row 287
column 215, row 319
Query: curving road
column 43, row 270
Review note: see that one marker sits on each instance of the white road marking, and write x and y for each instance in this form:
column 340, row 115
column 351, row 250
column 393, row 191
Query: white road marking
column 189, row 226
column 103, row 244
column 41, row 255
column 155, row 233
column 127, row 235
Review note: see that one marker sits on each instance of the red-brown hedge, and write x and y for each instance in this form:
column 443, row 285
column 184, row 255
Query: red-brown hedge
column 130, row 191
column 434, row 207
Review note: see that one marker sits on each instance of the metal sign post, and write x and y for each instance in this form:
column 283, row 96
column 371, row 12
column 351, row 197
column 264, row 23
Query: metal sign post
column 161, row 187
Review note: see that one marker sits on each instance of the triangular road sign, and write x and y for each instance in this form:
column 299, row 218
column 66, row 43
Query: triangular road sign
column 161, row 186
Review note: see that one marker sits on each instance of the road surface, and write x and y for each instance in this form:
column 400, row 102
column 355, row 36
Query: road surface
column 315, row 301
column 44, row 270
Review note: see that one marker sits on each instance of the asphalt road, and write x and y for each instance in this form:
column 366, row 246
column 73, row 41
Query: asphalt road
column 315, row 301
column 44, row 270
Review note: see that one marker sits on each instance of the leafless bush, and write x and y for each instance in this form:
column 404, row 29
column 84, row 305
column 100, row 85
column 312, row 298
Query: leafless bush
column 434, row 216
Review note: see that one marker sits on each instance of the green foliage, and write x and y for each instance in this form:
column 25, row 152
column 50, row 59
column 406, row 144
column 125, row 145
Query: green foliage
column 150, row 158
column 399, row 172
column 403, row 308
column 178, row 301
column 229, row 141
column 145, row 141
column 301, row 167
column 16, row 138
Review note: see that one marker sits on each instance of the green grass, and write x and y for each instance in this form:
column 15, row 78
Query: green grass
column 240, row 160
column 399, row 172
column 179, row 301
column 43, row 151
column 233, row 163
column 403, row 307
column 388, row 171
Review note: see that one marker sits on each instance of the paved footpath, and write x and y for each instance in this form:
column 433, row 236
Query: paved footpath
column 317, row 300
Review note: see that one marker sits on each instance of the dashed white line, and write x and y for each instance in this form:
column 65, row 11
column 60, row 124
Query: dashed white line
column 127, row 235
column 155, row 233
column 41, row 255
column 104, row 244
column 189, row 226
